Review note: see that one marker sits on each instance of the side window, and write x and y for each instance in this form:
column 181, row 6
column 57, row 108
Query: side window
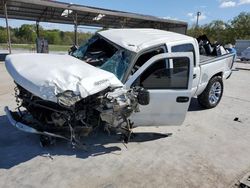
column 159, row 76
column 184, row 48
column 146, row 56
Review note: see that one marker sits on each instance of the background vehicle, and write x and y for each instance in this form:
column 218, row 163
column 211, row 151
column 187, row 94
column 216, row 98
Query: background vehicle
column 241, row 45
column 245, row 55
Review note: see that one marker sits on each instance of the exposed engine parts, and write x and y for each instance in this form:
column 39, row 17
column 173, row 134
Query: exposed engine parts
column 73, row 117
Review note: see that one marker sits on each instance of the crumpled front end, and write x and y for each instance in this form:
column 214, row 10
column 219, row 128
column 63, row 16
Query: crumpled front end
column 74, row 118
column 60, row 96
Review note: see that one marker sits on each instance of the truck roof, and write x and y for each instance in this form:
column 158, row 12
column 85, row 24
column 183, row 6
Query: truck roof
column 137, row 39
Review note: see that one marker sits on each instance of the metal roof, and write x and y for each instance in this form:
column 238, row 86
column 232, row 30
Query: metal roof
column 51, row 11
column 137, row 39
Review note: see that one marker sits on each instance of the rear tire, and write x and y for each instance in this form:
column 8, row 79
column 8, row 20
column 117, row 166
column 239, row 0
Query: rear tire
column 211, row 96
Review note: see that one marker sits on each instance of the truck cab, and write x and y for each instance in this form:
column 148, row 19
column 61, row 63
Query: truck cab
column 169, row 65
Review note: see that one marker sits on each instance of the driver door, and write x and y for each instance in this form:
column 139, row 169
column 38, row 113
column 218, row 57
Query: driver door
column 168, row 78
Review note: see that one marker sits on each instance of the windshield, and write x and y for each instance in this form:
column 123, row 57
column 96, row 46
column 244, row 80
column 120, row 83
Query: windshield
column 118, row 63
column 101, row 53
column 80, row 52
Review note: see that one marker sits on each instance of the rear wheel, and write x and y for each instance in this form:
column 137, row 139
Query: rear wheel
column 211, row 96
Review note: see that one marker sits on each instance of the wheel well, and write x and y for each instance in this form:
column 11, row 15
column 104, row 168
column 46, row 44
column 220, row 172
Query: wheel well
column 218, row 74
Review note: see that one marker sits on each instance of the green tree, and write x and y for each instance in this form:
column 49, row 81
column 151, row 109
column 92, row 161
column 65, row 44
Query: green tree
column 3, row 35
column 83, row 37
column 53, row 36
column 224, row 32
column 27, row 33
column 241, row 26
column 216, row 31
column 195, row 32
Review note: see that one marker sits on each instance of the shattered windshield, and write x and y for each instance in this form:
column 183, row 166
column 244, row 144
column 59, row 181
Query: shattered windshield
column 80, row 52
column 101, row 53
column 118, row 63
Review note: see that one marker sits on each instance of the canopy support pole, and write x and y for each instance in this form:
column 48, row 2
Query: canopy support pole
column 37, row 29
column 75, row 30
column 7, row 26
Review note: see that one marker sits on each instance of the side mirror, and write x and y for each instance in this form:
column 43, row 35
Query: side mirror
column 143, row 96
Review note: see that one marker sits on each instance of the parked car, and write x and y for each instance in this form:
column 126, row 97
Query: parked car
column 118, row 77
column 241, row 45
column 245, row 55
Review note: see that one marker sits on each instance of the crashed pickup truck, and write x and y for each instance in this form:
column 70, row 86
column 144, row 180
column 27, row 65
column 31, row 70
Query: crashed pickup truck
column 118, row 79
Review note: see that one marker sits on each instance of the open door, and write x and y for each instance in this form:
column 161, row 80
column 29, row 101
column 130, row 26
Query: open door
column 168, row 78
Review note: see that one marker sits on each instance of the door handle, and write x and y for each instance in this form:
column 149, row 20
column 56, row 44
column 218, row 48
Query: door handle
column 194, row 76
column 182, row 99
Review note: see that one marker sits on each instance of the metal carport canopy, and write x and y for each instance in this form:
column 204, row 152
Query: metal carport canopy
column 51, row 11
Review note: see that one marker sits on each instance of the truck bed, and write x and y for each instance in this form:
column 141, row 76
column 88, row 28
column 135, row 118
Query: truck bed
column 209, row 59
column 212, row 65
column 204, row 58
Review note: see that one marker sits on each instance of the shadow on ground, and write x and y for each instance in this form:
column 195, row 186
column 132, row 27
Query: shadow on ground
column 195, row 106
column 3, row 56
column 17, row 147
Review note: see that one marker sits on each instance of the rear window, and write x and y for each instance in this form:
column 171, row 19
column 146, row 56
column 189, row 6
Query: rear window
column 184, row 48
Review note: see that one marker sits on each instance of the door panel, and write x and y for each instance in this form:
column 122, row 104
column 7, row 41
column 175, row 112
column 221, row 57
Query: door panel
column 169, row 88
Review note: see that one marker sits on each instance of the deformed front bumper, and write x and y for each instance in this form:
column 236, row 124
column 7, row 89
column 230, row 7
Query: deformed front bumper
column 26, row 128
column 19, row 125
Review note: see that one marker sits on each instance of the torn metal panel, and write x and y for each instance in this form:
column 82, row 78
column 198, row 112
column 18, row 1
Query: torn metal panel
column 27, row 128
column 110, row 108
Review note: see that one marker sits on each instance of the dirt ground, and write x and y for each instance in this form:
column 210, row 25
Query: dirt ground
column 210, row 149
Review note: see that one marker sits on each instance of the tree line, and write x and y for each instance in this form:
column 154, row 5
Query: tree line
column 26, row 34
column 224, row 32
column 217, row 31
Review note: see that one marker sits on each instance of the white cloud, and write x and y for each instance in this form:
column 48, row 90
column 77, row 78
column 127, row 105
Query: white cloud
column 242, row 2
column 227, row 4
column 190, row 14
column 232, row 3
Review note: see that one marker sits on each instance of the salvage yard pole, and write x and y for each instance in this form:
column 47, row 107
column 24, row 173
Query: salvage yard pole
column 197, row 21
column 7, row 25
column 75, row 30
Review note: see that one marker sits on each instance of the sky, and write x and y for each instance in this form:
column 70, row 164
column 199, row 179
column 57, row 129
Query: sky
column 184, row 10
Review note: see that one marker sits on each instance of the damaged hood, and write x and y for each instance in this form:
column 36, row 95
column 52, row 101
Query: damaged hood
column 47, row 75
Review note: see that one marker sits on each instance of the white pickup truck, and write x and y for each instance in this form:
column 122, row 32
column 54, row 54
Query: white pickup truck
column 117, row 72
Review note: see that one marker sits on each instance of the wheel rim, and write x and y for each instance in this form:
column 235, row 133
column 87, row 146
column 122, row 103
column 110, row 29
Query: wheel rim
column 215, row 93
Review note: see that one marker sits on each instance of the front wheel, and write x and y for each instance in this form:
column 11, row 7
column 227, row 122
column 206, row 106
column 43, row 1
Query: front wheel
column 211, row 96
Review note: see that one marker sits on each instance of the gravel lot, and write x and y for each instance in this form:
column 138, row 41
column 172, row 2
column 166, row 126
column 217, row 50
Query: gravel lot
column 210, row 149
